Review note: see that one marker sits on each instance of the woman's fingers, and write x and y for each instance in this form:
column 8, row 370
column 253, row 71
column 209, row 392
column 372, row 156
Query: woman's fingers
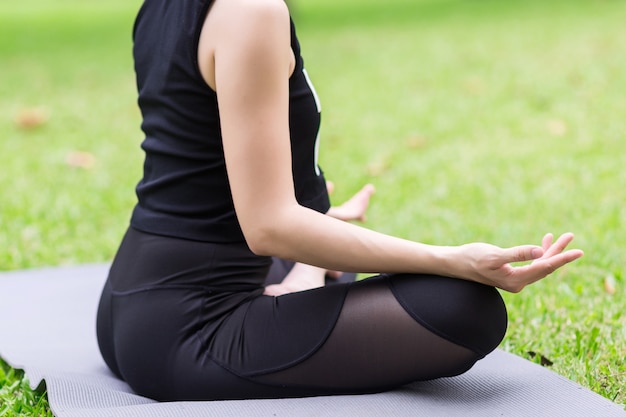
column 559, row 245
column 547, row 259
column 543, row 267
column 548, row 249
column 546, row 242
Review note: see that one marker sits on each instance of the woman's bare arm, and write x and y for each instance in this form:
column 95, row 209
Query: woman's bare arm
column 251, row 63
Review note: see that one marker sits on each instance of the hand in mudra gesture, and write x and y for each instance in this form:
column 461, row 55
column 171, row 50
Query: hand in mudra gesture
column 491, row 265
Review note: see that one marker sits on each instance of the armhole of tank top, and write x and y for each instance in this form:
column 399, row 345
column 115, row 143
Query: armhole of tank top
column 299, row 64
column 204, row 11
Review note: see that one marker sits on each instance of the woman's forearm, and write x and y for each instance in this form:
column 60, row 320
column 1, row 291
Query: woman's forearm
column 306, row 236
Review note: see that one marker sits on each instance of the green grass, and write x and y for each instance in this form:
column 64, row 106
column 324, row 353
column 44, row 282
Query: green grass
column 16, row 397
column 477, row 121
column 72, row 64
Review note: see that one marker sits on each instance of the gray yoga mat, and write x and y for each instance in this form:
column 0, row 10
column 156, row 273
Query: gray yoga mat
column 47, row 328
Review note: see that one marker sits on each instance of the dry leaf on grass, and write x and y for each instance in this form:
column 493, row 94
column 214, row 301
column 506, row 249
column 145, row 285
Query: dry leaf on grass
column 474, row 86
column 610, row 284
column 377, row 168
column 80, row 159
column 557, row 127
column 31, row 118
column 416, row 142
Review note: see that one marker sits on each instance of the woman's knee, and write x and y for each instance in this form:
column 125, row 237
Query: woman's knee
column 469, row 314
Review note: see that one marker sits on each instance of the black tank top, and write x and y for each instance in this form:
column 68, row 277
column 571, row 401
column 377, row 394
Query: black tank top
column 184, row 191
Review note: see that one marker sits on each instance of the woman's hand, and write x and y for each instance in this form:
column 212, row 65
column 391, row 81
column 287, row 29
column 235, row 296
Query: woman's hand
column 355, row 207
column 491, row 265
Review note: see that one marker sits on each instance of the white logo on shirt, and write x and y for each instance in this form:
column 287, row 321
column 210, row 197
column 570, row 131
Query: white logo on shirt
column 318, row 104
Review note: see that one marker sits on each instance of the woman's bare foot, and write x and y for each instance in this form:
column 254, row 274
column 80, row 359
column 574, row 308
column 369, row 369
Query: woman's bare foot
column 355, row 207
column 301, row 277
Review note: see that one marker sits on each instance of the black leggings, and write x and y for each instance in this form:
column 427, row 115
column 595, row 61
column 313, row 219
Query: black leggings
column 185, row 320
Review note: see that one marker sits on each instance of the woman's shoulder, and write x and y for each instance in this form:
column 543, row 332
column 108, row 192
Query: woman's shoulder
column 266, row 11
column 243, row 28
column 247, row 19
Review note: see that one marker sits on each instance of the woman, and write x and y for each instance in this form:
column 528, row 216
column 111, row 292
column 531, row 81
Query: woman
column 231, row 186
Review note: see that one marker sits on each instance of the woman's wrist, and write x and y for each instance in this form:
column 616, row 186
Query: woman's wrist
column 446, row 261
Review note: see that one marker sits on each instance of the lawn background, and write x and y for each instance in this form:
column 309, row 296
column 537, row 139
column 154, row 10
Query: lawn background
column 476, row 120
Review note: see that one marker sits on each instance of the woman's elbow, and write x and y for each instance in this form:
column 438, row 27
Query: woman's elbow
column 267, row 231
column 261, row 240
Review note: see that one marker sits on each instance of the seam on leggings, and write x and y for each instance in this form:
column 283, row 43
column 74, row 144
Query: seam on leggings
column 207, row 357
column 206, row 288
column 153, row 288
column 424, row 323
column 112, row 334
column 316, row 390
column 299, row 360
